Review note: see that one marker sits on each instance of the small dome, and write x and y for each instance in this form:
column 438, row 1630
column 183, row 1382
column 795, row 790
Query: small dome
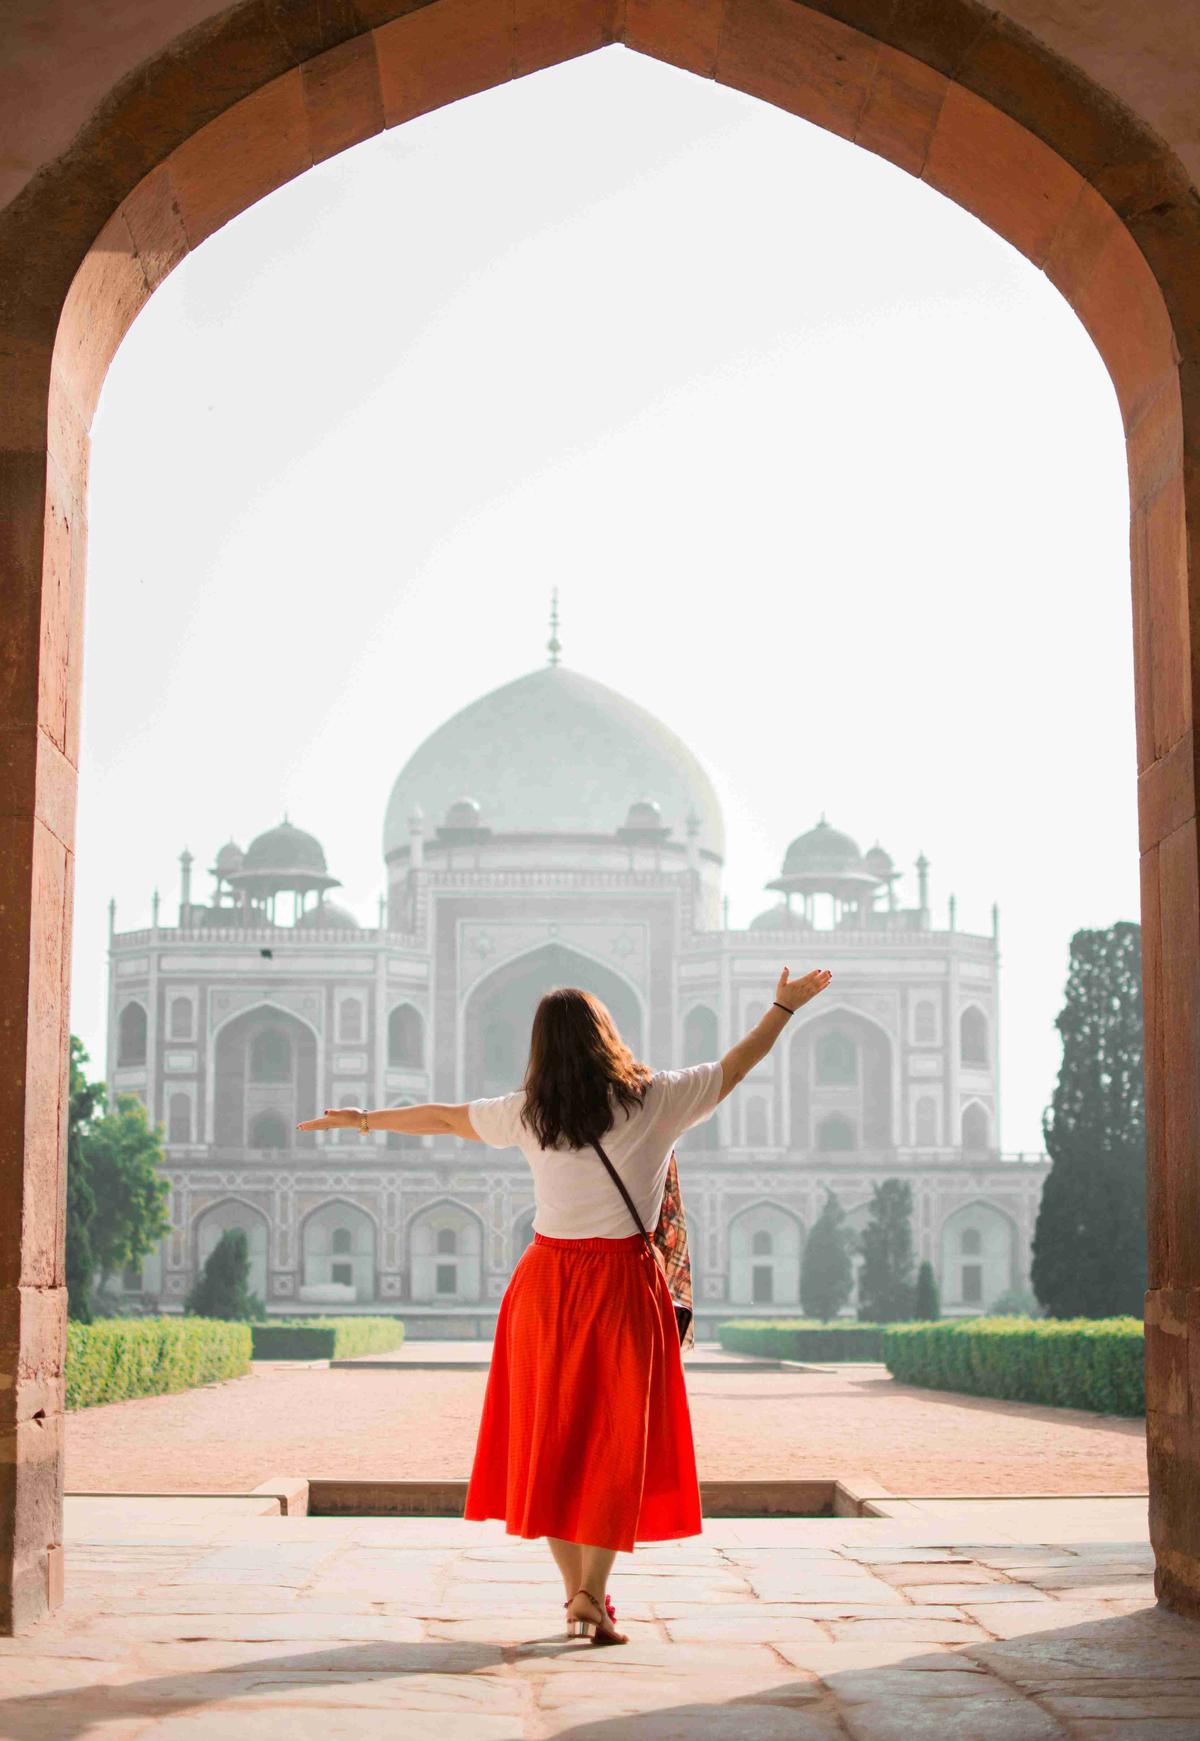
column 464, row 813
column 823, row 850
column 644, row 814
column 229, row 859
column 780, row 918
column 327, row 916
column 879, row 862
column 285, row 848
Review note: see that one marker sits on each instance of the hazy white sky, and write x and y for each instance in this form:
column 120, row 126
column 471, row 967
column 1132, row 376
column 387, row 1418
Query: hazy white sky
column 828, row 476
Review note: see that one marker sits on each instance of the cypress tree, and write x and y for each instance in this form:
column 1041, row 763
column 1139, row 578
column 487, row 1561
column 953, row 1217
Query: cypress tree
column 827, row 1278
column 1089, row 1247
column 928, row 1304
column 885, row 1279
column 222, row 1290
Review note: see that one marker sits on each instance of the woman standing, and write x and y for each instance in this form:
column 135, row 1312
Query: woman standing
column 586, row 1437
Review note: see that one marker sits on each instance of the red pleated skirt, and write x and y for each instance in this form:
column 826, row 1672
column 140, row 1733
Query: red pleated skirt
column 586, row 1433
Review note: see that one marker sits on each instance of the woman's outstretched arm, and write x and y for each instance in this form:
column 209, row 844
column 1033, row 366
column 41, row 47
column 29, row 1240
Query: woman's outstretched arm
column 791, row 993
column 433, row 1119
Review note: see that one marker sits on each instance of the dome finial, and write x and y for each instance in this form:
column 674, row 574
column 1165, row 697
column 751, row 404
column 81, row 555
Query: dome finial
column 553, row 645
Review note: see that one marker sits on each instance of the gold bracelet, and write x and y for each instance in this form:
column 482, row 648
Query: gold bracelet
column 362, row 1122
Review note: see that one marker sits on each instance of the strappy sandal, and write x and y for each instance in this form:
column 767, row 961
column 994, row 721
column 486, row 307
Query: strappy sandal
column 609, row 1609
column 580, row 1628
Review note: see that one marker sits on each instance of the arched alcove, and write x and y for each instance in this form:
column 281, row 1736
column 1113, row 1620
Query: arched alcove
column 445, row 1243
column 406, row 1037
column 131, row 1034
column 840, row 1076
column 765, row 1243
column 179, row 1117
column 499, row 1013
column 338, row 1244
column 264, row 1062
column 973, row 1047
column 976, row 1129
column 978, row 1257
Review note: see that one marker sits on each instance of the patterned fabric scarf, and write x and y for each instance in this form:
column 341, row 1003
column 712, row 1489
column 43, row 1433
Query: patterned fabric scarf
column 670, row 1237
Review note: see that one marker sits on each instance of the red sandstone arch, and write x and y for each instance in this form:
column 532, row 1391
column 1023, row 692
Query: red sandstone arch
column 235, row 106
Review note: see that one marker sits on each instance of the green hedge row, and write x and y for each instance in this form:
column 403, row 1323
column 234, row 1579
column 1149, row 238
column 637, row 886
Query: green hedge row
column 802, row 1339
column 1081, row 1363
column 325, row 1338
column 117, row 1358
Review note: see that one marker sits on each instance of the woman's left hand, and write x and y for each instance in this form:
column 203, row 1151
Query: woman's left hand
column 336, row 1118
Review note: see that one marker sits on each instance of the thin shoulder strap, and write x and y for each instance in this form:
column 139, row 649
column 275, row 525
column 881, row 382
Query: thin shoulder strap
column 620, row 1184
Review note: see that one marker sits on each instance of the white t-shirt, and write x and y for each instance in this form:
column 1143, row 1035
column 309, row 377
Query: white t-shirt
column 575, row 1197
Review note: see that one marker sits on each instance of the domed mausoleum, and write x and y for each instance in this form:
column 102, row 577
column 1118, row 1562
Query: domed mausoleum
column 556, row 832
column 551, row 758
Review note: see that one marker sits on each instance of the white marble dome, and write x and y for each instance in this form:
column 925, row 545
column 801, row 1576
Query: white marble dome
column 555, row 752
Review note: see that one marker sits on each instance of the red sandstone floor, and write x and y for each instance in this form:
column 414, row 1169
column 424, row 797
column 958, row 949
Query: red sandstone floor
column 314, row 1421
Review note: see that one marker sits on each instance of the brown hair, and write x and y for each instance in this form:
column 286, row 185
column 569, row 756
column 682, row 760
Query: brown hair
column 580, row 1070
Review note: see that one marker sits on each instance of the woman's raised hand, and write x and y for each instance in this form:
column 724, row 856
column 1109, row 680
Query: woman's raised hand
column 336, row 1118
column 794, row 992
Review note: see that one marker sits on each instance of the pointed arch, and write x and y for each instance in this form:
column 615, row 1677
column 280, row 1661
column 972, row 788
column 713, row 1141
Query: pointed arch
column 498, row 1011
column 339, row 1247
column 438, row 1274
column 766, row 1242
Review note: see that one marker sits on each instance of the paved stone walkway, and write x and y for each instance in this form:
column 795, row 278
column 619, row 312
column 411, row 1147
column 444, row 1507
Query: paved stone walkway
column 212, row 1624
column 411, row 1425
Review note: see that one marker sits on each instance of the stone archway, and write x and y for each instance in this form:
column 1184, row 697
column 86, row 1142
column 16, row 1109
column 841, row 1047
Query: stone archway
column 206, row 112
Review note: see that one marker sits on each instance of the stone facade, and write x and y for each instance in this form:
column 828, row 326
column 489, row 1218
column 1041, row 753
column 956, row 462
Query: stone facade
column 269, row 1002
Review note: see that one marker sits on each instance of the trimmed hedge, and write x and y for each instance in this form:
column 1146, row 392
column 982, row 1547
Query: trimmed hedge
column 1080, row 1363
column 325, row 1338
column 802, row 1339
column 117, row 1358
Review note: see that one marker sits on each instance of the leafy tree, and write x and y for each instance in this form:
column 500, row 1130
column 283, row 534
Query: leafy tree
column 124, row 1153
column 827, row 1279
column 928, row 1303
column 885, row 1279
column 116, row 1198
column 85, row 1098
column 1089, row 1247
column 222, row 1290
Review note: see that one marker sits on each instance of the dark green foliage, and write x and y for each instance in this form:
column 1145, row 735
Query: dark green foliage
column 85, row 1097
column 827, row 1278
column 222, row 1290
column 124, row 1357
column 1089, row 1248
column 1085, row 1363
column 885, row 1277
column 928, row 1303
column 325, row 1338
column 116, row 1198
column 793, row 1339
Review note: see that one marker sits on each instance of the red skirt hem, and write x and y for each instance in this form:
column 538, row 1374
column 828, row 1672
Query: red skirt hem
column 585, row 1433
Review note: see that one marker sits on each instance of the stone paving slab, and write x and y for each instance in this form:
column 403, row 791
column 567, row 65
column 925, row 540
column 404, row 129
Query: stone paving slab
column 814, row 1630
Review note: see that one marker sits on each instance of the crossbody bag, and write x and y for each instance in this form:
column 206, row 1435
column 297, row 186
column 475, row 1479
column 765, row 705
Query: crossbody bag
column 668, row 1247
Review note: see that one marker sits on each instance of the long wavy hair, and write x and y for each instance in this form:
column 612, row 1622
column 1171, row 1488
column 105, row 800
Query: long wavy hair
column 580, row 1071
